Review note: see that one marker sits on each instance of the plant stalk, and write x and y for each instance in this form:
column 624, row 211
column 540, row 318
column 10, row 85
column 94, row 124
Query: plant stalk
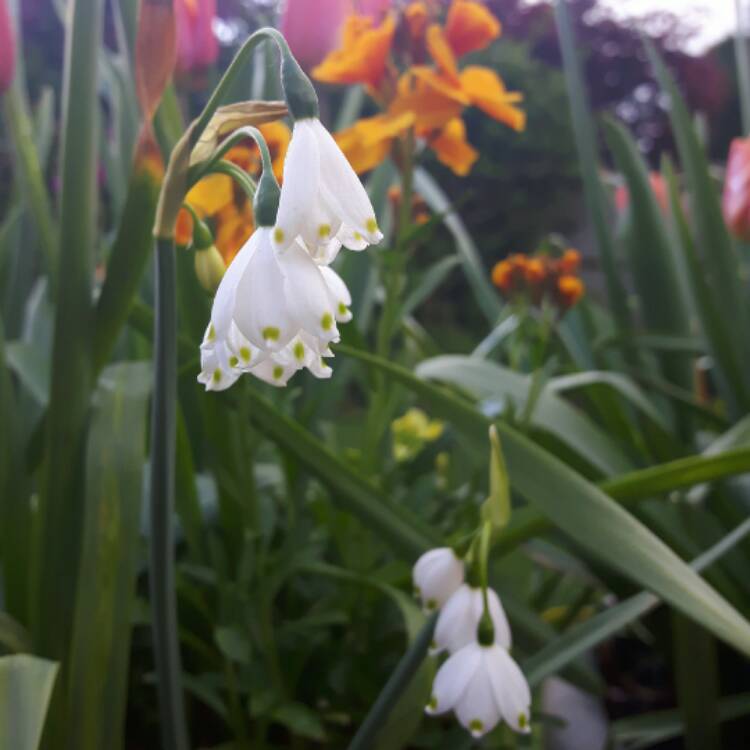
column 161, row 561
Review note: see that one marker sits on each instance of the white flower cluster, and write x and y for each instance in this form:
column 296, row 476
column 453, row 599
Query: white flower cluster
column 277, row 307
column 480, row 682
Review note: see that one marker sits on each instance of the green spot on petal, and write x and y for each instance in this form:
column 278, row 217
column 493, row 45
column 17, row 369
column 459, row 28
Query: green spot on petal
column 233, row 361
column 278, row 235
column 245, row 354
column 432, row 704
column 324, row 230
column 343, row 309
column 431, row 604
column 358, row 236
column 476, row 726
column 278, row 371
column 211, row 332
column 324, row 364
column 326, row 322
column 371, row 225
column 216, row 376
column 299, row 350
column 271, row 333
column 522, row 721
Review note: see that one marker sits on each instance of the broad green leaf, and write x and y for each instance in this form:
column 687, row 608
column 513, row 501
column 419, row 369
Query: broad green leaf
column 31, row 365
column 582, row 638
column 621, row 384
column 487, row 380
column 430, row 281
column 98, row 670
column 585, row 514
column 25, row 688
column 60, row 498
column 478, row 277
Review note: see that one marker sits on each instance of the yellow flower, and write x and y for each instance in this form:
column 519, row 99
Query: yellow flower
column 451, row 148
column 363, row 54
column 412, row 432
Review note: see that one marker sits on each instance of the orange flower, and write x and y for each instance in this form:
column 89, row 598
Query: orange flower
column 451, row 148
column 368, row 141
column 234, row 225
column 570, row 261
column 363, row 54
column 502, row 275
column 534, row 271
column 470, row 27
column 570, row 289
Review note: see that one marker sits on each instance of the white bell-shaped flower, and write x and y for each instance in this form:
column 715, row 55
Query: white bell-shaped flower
column 460, row 615
column 437, row 575
column 482, row 685
column 323, row 202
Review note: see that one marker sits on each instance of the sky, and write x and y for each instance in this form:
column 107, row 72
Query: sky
column 714, row 19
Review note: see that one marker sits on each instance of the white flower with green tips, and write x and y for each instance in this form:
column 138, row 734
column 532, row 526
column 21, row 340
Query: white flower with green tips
column 437, row 575
column 323, row 202
column 483, row 685
column 460, row 615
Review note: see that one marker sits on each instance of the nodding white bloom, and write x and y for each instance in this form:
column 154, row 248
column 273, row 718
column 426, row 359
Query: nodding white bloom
column 437, row 575
column 459, row 618
column 273, row 314
column 482, row 685
column 323, row 202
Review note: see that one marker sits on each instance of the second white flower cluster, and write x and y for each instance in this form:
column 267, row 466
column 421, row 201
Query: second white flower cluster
column 278, row 305
column 479, row 681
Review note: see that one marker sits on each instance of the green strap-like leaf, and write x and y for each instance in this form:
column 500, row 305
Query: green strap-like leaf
column 25, row 688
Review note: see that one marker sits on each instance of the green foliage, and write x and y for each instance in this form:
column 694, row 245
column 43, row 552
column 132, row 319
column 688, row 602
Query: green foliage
column 283, row 523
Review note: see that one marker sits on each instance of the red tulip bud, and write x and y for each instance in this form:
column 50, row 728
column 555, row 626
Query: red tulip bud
column 7, row 48
column 736, row 198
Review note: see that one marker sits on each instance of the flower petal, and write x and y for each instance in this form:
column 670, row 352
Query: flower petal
column 477, row 709
column 456, row 625
column 300, row 186
column 261, row 308
column 452, row 679
column 306, row 293
column 339, row 294
column 509, row 688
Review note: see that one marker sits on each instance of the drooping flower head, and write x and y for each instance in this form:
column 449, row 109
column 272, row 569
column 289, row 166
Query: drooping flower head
column 437, row 575
column 274, row 313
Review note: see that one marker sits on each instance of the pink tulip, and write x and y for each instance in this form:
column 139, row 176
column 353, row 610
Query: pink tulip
column 736, row 199
column 312, row 27
column 197, row 47
column 7, row 49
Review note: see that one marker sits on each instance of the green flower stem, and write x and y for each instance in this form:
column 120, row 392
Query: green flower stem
column 20, row 128
column 299, row 92
column 161, row 560
column 397, row 683
column 238, row 175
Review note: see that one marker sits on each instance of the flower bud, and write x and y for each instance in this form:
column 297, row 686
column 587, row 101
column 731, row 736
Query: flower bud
column 736, row 198
column 437, row 575
column 209, row 268
column 7, row 48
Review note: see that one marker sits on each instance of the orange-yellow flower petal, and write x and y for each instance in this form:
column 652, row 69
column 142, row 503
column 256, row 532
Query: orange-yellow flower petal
column 441, row 52
column 366, row 143
column 234, row 225
column 451, row 148
column 183, row 230
column 487, row 91
column 363, row 54
column 211, row 194
column 470, row 27
column 430, row 106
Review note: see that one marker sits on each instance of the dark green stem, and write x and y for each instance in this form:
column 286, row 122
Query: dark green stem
column 397, row 683
column 161, row 562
